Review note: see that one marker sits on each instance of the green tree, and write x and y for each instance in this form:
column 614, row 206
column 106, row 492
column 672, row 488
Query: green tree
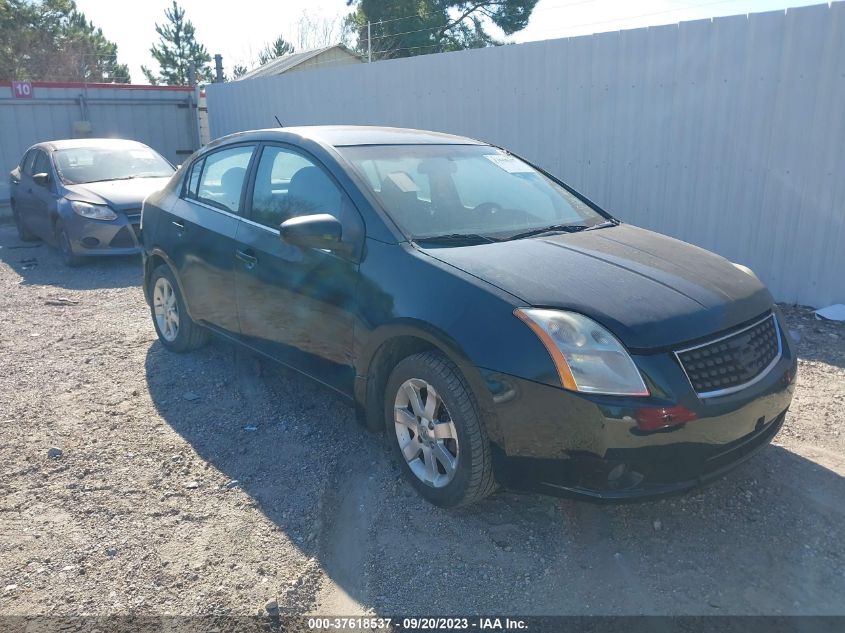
column 177, row 50
column 402, row 28
column 51, row 40
column 239, row 70
column 277, row 48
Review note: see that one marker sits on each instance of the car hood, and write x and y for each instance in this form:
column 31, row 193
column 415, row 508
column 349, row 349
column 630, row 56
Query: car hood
column 121, row 195
column 650, row 290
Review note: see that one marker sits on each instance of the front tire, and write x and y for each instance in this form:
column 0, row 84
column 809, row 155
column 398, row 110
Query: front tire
column 436, row 431
column 176, row 330
column 65, row 249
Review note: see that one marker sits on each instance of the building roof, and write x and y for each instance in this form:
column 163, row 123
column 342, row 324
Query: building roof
column 285, row 63
column 345, row 135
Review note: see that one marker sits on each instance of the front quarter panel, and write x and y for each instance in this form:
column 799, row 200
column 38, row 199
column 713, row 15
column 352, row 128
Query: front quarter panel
column 403, row 292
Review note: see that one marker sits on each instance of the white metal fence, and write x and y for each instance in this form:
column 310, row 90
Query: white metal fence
column 727, row 133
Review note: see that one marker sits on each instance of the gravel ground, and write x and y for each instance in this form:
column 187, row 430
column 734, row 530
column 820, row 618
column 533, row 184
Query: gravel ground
column 212, row 483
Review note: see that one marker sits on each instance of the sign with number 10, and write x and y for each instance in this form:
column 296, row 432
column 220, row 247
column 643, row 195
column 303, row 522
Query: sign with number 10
column 22, row 89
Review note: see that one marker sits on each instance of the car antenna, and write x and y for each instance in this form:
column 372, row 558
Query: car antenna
column 277, row 121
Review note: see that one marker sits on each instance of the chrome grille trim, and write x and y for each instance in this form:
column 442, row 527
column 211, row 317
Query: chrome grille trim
column 729, row 390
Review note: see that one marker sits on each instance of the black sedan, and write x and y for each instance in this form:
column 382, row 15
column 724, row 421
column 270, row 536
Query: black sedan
column 85, row 195
column 495, row 324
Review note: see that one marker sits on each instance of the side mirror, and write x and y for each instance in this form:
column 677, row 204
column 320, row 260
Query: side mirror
column 42, row 179
column 320, row 230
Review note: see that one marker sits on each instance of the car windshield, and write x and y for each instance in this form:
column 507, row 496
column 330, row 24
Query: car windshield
column 94, row 164
column 448, row 192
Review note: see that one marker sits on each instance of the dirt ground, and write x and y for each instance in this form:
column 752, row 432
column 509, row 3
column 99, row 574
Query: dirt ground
column 211, row 483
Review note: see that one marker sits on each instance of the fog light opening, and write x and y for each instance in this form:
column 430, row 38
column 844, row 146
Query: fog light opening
column 90, row 242
column 622, row 477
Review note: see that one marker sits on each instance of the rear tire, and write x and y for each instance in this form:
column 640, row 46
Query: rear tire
column 24, row 234
column 445, row 452
column 65, row 249
column 176, row 330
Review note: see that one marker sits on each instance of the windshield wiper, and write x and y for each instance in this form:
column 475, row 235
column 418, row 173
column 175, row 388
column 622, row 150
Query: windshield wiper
column 451, row 238
column 603, row 225
column 108, row 179
column 555, row 228
column 563, row 228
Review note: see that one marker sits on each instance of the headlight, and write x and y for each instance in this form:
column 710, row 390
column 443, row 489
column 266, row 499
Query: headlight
column 588, row 357
column 93, row 211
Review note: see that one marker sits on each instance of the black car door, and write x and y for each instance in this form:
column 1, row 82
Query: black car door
column 296, row 304
column 198, row 234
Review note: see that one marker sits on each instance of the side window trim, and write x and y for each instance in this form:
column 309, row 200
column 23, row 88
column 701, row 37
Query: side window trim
column 186, row 192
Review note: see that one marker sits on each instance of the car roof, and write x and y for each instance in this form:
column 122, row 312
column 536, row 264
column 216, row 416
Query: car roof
column 76, row 143
column 345, row 135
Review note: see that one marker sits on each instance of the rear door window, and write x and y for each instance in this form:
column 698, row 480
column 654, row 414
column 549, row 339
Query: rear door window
column 223, row 175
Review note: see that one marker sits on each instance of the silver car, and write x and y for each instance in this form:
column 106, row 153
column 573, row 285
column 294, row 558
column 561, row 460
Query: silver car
column 84, row 195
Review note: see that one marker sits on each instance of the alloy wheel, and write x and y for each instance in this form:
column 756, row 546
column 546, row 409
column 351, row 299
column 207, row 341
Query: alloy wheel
column 425, row 432
column 166, row 309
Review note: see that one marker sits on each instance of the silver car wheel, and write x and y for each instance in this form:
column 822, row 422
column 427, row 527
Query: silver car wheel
column 166, row 309
column 426, row 434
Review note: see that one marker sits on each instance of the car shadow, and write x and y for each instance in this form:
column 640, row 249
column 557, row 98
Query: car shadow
column 38, row 263
column 766, row 539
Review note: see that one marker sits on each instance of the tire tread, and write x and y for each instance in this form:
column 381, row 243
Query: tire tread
column 482, row 481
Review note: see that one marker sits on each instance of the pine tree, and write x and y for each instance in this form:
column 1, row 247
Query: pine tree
column 51, row 40
column 279, row 47
column 177, row 50
column 239, row 70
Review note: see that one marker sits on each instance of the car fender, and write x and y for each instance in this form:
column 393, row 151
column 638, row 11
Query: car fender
column 367, row 399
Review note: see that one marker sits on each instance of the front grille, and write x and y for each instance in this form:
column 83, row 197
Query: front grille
column 125, row 238
column 732, row 362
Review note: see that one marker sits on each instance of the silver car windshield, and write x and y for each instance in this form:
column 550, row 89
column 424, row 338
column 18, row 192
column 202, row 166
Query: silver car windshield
column 94, row 164
column 437, row 190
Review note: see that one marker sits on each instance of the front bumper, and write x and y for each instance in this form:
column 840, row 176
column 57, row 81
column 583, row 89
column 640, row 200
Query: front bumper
column 120, row 236
column 564, row 443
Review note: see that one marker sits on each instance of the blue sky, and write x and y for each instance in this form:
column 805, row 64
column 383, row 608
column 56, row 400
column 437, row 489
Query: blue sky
column 238, row 30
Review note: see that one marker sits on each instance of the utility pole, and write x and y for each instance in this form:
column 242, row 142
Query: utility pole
column 218, row 68
column 369, row 43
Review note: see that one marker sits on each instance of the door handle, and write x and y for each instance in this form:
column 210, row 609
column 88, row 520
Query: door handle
column 247, row 258
column 178, row 225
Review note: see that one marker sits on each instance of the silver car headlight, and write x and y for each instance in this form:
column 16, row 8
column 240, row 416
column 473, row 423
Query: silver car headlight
column 588, row 357
column 92, row 211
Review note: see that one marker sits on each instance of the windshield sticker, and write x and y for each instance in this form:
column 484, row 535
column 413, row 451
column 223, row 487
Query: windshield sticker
column 403, row 181
column 142, row 154
column 509, row 163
